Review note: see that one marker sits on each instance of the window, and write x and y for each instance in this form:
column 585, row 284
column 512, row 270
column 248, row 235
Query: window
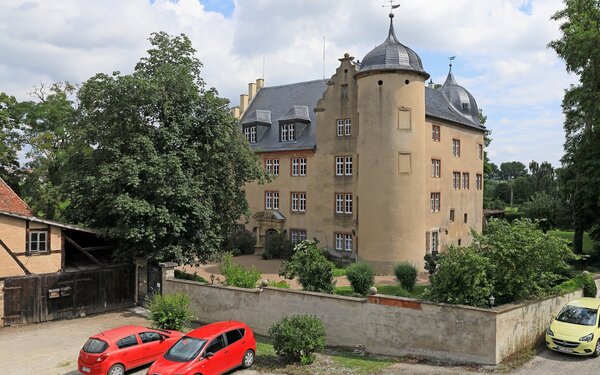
column 271, row 200
column 298, row 166
column 38, row 241
column 465, row 181
column 478, row 181
column 298, row 202
column 344, row 127
column 435, row 202
column 150, row 336
column 297, row 235
column 435, row 167
column 452, row 215
column 343, row 165
column 127, row 341
column 456, row 148
column 465, row 106
column 435, row 133
column 287, row 133
column 434, row 242
column 216, row 345
column 480, row 151
column 465, row 218
column 456, row 180
column 343, row 241
column 343, row 203
column 235, row 335
column 272, row 166
column 250, row 133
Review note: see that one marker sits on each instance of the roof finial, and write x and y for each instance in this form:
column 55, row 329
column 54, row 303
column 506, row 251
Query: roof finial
column 451, row 58
column 392, row 7
column 392, row 33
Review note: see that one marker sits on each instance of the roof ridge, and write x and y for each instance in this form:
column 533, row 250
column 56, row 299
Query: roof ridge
column 292, row 84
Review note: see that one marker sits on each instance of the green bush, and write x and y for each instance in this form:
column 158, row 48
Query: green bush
column 240, row 241
column 406, row 274
column 279, row 284
column 171, row 311
column 361, row 277
column 277, row 246
column 237, row 275
column 189, row 276
column 585, row 281
column 310, row 265
column 430, row 263
column 298, row 337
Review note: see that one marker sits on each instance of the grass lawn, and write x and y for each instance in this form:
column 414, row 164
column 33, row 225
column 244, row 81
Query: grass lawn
column 390, row 290
column 588, row 244
column 329, row 362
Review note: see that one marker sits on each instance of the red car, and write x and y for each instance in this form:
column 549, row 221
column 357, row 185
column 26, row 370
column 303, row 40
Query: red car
column 210, row 350
column 114, row 351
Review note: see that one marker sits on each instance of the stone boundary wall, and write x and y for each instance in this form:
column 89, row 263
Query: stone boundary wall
column 383, row 324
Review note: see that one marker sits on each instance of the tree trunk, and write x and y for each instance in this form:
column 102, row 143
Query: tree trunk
column 578, row 237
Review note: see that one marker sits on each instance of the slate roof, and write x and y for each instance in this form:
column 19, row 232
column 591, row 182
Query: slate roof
column 438, row 106
column 11, row 202
column 285, row 104
column 459, row 96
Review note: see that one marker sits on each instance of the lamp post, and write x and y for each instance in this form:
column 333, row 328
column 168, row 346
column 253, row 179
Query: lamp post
column 491, row 300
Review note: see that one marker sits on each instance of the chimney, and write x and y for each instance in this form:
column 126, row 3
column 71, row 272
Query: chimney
column 260, row 83
column 243, row 103
column 235, row 111
column 251, row 91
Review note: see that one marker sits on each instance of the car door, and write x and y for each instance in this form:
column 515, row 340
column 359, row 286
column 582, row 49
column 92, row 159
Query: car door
column 130, row 353
column 217, row 363
column 153, row 345
column 235, row 347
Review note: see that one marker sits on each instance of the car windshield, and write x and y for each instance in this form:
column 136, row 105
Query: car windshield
column 95, row 346
column 184, row 350
column 577, row 315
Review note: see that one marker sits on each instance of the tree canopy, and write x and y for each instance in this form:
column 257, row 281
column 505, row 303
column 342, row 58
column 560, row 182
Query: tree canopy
column 159, row 162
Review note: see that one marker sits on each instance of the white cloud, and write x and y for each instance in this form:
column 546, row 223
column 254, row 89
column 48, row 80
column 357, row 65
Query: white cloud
column 503, row 58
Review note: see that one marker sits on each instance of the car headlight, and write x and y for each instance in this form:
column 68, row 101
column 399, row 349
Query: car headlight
column 549, row 332
column 587, row 338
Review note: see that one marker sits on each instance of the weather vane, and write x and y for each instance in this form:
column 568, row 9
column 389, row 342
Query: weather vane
column 451, row 58
column 392, row 6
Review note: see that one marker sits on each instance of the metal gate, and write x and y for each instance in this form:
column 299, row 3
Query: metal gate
column 39, row 298
column 154, row 280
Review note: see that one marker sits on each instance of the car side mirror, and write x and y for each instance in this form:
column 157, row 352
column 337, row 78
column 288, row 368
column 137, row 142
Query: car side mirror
column 209, row 354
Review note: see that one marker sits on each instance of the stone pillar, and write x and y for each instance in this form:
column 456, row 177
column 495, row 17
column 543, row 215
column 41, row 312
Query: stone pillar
column 168, row 272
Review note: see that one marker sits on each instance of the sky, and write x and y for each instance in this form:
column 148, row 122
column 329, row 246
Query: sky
column 500, row 47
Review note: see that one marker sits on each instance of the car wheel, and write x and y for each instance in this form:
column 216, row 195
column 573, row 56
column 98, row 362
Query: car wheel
column 248, row 359
column 117, row 369
column 596, row 352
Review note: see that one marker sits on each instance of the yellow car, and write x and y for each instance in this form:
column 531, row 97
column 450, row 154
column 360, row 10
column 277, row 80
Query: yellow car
column 576, row 328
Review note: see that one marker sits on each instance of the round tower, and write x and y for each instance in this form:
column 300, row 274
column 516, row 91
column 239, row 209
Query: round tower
column 392, row 169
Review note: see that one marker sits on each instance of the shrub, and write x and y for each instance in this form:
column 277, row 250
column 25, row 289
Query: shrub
column 431, row 263
column 406, row 274
column 240, row 241
column 189, row 276
column 361, row 277
column 585, row 281
column 279, row 284
column 298, row 337
column 278, row 246
column 314, row 271
column 238, row 275
column 171, row 311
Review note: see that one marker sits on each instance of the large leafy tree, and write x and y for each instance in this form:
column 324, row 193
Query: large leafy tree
column 161, row 163
column 11, row 140
column 580, row 50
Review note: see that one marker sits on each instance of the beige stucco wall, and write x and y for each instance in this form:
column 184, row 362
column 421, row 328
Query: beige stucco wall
column 13, row 234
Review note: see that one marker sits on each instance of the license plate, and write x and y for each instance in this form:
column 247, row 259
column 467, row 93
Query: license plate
column 85, row 369
column 564, row 350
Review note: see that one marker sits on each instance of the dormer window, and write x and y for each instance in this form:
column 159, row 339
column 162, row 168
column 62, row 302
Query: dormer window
column 288, row 133
column 250, row 133
column 465, row 106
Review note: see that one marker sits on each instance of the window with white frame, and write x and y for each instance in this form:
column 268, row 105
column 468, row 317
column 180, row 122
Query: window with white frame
column 465, row 181
column 456, row 180
column 339, row 165
column 272, row 166
column 348, row 169
column 343, row 241
column 347, row 127
column 297, row 235
column 287, row 133
column 348, row 242
column 38, row 242
column 250, row 133
column 479, row 181
column 435, row 239
column 435, row 133
column 339, row 203
column 340, row 128
column 271, row 200
column 435, row 202
column 348, row 205
column 298, row 202
column 456, row 148
column 343, row 203
column 344, row 127
column 435, row 167
column 298, row 166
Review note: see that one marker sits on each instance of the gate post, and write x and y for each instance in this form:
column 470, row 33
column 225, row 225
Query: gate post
column 168, row 272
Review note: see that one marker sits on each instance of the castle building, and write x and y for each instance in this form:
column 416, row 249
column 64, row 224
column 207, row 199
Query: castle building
column 374, row 163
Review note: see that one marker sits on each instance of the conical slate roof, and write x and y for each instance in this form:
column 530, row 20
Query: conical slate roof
column 392, row 55
column 463, row 102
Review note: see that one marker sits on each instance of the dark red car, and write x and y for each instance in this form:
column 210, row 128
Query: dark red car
column 114, row 351
column 210, row 350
